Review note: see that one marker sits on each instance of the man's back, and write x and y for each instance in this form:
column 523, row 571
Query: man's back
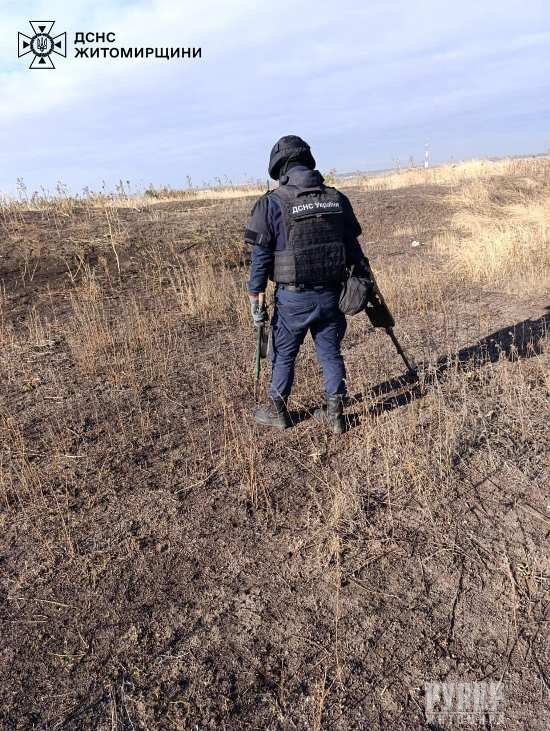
column 273, row 215
column 303, row 236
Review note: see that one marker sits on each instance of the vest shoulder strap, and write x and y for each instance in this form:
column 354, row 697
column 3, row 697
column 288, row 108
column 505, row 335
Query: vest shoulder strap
column 289, row 192
column 284, row 192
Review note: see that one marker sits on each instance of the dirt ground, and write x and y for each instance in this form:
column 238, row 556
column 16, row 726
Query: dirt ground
column 166, row 564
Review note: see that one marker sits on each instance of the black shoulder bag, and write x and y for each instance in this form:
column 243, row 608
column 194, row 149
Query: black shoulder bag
column 356, row 292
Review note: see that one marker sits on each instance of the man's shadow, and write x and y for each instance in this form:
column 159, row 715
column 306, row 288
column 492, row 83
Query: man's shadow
column 516, row 342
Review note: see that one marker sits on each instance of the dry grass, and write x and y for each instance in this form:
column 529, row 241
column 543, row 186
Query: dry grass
column 500, row 244
column 64, row 204
column 456, row 174
column 204, row 573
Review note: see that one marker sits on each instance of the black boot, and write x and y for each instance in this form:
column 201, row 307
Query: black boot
column 274, row 414
column 331, row 412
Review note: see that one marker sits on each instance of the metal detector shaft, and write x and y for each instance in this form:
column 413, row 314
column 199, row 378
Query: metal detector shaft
column 400, row 350
column 258, row 358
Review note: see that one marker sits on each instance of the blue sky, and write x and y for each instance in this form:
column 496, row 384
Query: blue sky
column 366, row 83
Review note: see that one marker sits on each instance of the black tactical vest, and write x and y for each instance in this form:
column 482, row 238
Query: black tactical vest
column 315, row 227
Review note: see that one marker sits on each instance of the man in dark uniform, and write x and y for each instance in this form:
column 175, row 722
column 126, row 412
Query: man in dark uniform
column 303, row 236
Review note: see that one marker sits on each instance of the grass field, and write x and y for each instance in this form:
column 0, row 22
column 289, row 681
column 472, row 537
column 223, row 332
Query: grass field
column 166, row 564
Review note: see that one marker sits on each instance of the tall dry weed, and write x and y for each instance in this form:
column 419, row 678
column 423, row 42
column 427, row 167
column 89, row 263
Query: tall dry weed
column 208, row 292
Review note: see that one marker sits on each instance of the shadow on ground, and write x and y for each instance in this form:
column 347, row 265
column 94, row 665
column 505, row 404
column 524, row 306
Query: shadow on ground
column 516, row 342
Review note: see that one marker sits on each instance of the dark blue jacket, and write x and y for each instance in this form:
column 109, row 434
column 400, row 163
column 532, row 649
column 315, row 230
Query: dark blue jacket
column 266, row 232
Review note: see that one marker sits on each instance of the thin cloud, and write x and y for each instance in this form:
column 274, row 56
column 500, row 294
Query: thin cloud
column 367, row 83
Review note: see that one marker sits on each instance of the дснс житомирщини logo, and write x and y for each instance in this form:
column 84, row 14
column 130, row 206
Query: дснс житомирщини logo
column 42, row 44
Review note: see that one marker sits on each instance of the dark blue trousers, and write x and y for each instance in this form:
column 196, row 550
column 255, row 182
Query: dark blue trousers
column 295, row 314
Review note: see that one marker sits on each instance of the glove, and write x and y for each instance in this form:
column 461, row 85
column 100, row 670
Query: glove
column 258, row 312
